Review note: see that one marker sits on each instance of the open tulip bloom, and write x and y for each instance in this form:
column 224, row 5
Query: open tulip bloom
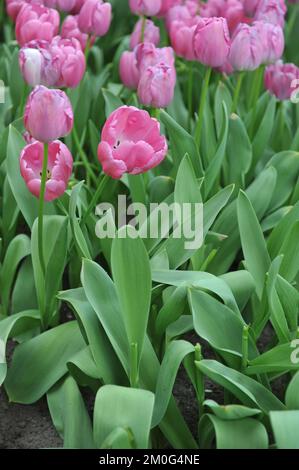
column 149, row 227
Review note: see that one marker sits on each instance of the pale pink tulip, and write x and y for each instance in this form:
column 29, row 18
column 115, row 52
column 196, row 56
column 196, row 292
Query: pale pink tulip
column 36, row 22
column 151, row 34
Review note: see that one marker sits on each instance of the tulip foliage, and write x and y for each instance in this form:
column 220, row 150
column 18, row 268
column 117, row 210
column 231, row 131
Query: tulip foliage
column 167, row 102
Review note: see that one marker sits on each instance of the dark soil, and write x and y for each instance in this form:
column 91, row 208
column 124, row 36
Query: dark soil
column 30, row 426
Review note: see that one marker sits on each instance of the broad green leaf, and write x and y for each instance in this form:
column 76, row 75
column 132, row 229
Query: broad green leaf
column 241, row 284
column 70, row 416
column 174, row 355
column 123, row 407
column 130, row 267
column 76, row 229
column 112, row 102
column 40, row 362
column 290, row 264
column 222, row 94
column 231, row 412
column 253, row 243
column 285, row 426
column 292, row 395
column 282, row 230
column 245, row 389
column 264, row 131
column 244, row 433
column 287, row 167
column 181, row 143
column 171, row 310
column 17, row 250
column 277, row 359
column 11, row 326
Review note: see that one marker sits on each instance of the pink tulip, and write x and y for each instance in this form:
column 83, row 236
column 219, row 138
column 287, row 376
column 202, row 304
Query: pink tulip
column 59, row 170
column 151, row 34
column 250, row 6
column 272, row 38
column 66, row 5
column 231, row 10
column 13, row 7
column 77, row 7
column 131, row 143
column 281, row 80
column 28, row 138
column 37, row 64
column 36, row 22
column 246, row 51
column 128, row 70
column 156, row 86
column 166, row 5
column 271, row 11
column 48, row 114
column 145, row 7
column 68, row 54
column 70, row 29
column 148, row 55
column 179, row 13
column 211, row 41
column 95, row 17
column 181, row 37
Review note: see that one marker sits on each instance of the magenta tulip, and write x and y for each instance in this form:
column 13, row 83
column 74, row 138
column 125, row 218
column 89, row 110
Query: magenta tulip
column 148, row 55
column 167, row 5
column 130, row 143
column 181, row 37
column 271, row 11
column 48, row 114
column 71, row 61
column 145, row 7
column 282, row 80
column 37, row 64
column 70, row 29
column 211, row 41
column 128, row 70
column 156, row 86
column 246, row 51
column 95, row 17
column 36, row 22
column 272, row 38
column 151, row 34
column 59, row 170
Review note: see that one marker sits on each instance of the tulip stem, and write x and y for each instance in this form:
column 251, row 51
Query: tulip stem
column 202, row 103
column 190, row 95
column 87, row 49
column 41, row 209
column 96, row 197
column 237, row 92
column 134, row 365
column 143, row 24
column 245, row 337
column 199, row 380
column 84, row 156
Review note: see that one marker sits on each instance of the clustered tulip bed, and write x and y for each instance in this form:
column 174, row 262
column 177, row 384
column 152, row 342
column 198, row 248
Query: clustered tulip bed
column 162, row 101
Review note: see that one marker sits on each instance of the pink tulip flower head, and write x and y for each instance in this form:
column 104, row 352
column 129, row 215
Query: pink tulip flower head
column 70, row 29
column 59, row 170
column 68, row 54
column 250, row 6
column 36, row 22
column 13, row 7
column 272, row 38
column 181, row 37
column 211, row 41
column 151, row 34
column 148, row 55
column 246, row 51
column 145, row 7
column 166, row 5
column 77, row 7
column 130, row 143
column 156, row 86
column 271, row 11
column 128, row 70
column 95, row 17
column 48, row 114
column 282, row 80
column 37, row 64
column 66, row 5
column 178, row 13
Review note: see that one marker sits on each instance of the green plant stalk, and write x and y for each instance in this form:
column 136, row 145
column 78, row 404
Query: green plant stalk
column 137, row 188
column 96, row 197
column 143, row 24
column 87, row 48
column 134, row 379
column 83, row 156
column 41, row 209
column 256, row 88
column 203, row 99
column 237, row 92
column 245, row 337
column 292, row 21
column 190, row 95
column 199, row 380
